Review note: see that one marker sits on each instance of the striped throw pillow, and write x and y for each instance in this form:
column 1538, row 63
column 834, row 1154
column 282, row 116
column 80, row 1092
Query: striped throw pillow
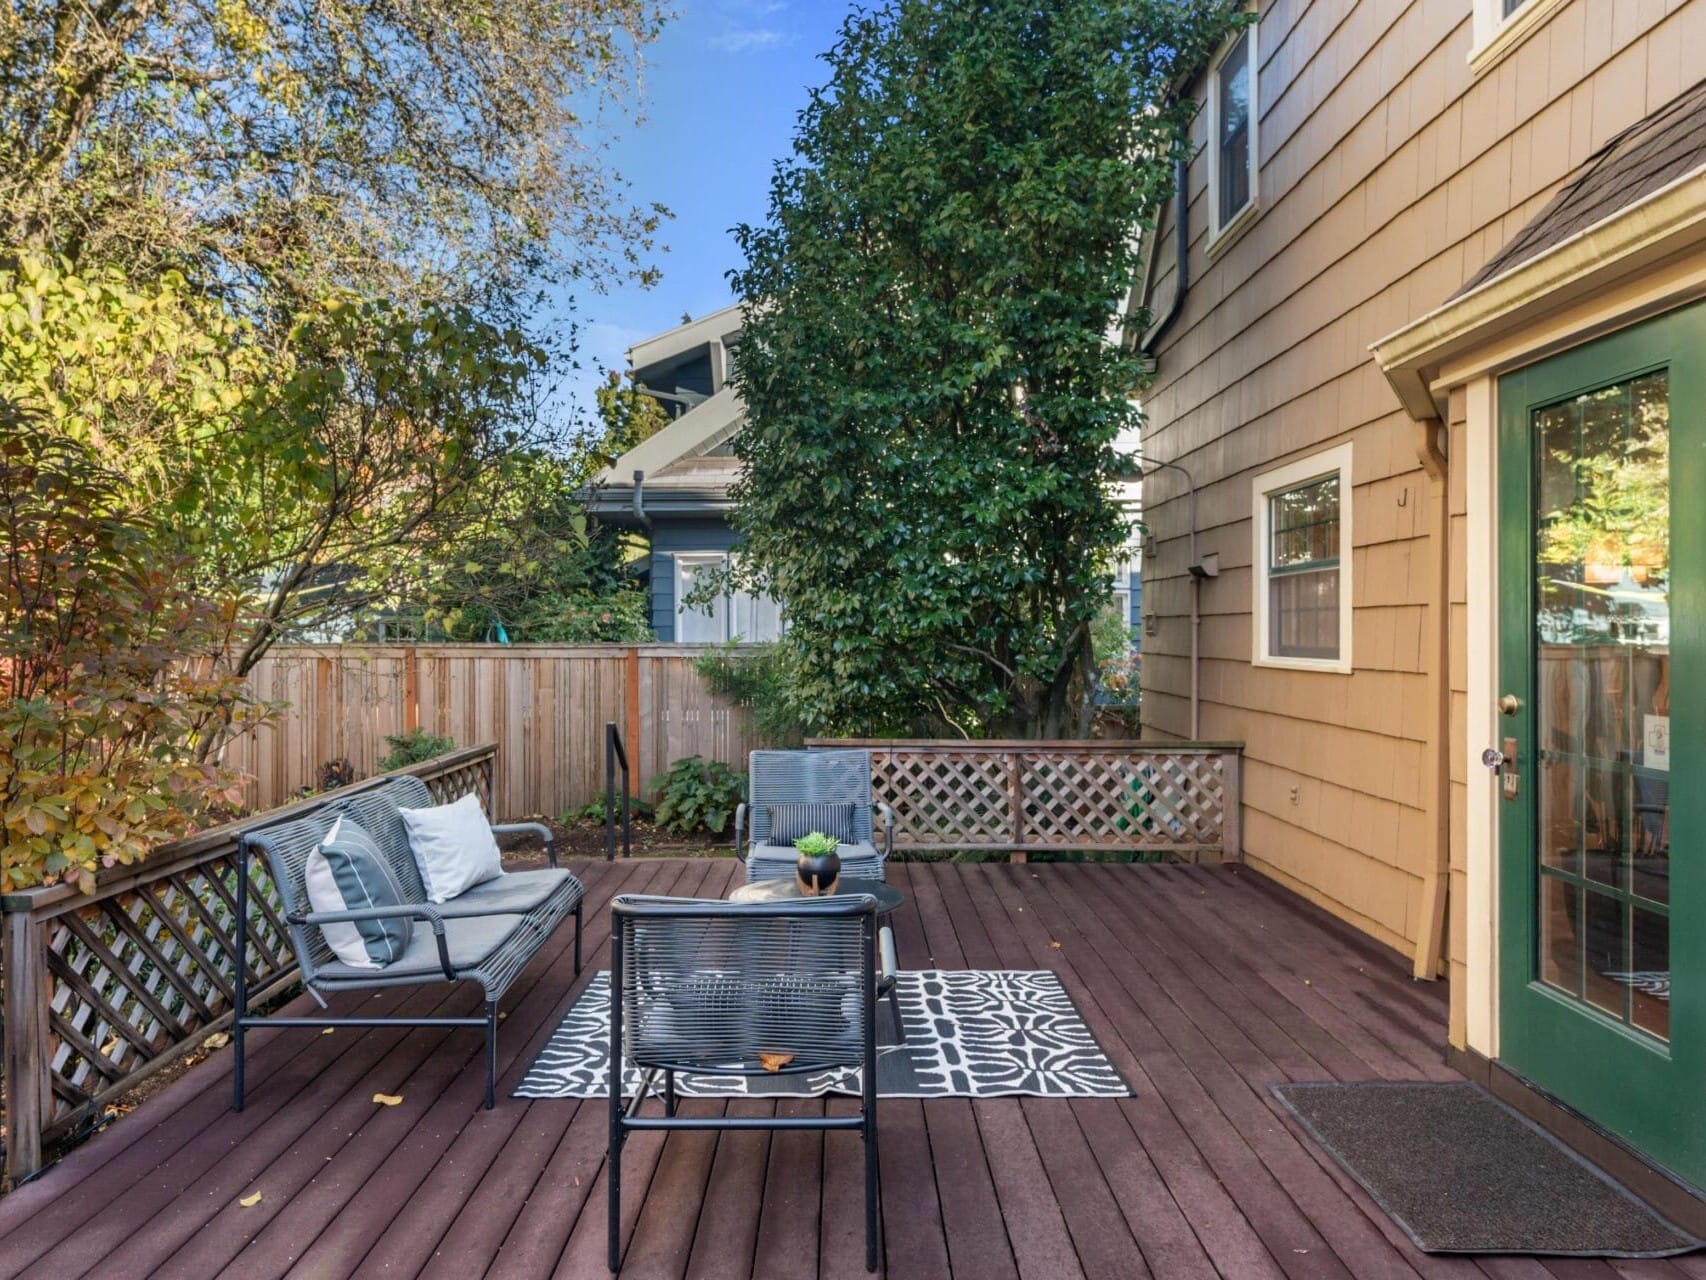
column 789, row 822
column 346, row 873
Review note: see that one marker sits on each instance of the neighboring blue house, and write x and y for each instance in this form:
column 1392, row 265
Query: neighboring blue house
column 674, row 488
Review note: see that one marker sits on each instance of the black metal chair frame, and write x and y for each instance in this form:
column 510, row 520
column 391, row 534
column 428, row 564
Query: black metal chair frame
column 625, row 1117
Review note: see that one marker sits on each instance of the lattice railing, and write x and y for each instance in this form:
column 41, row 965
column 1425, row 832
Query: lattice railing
column 1034, row 797
column 101, row 990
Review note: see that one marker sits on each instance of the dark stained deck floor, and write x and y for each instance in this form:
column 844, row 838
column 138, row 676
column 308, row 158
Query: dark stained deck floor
column 1205, row 986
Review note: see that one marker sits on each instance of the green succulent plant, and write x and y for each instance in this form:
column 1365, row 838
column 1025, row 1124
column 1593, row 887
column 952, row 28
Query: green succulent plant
column 817, row 845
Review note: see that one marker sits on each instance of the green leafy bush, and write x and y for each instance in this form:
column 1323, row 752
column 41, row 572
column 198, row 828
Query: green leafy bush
column 593, row 812
column 413, row 747
column 698, row 795
column 758, row 677
column 115, row 679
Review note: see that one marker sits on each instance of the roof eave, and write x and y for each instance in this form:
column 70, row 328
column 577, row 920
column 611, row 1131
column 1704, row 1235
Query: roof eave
column 1670, row 220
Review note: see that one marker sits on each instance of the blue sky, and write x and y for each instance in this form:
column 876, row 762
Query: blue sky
column 722, row 87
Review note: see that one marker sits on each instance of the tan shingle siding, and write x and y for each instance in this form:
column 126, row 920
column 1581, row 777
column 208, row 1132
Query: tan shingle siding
column 1388, row 176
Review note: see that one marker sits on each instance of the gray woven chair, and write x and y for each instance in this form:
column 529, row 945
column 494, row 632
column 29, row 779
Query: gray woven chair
column 834, row 777
column 705, row 988
column 486, row 935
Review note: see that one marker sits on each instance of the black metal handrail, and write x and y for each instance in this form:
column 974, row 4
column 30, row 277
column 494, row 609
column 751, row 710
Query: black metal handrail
column 613, row 756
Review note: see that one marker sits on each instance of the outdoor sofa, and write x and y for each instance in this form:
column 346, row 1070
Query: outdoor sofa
column 486, row 935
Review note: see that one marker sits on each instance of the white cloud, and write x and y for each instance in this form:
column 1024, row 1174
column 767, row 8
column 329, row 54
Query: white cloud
column 746, row 39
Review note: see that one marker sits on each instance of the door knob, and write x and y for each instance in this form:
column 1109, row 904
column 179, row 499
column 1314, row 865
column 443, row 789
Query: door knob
column 1493, row 759
column 1510, row 704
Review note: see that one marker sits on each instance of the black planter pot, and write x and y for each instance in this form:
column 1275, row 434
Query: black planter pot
column 817, row 875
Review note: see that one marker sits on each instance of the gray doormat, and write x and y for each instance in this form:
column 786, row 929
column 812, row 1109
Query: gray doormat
column 970, row 1033
column 1463, row 1173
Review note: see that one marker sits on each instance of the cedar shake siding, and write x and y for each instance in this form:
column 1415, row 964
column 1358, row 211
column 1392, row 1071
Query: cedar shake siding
column 1390, row 174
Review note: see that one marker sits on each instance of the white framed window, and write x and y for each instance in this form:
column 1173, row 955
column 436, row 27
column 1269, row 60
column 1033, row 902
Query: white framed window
column 1233, row 111
column 1301, row 561
column 733, row 614
column 1502, row 25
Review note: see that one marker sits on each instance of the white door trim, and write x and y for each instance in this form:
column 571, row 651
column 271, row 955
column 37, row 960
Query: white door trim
column 1481, row 545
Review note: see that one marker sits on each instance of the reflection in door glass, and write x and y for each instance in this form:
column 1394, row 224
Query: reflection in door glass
column 1602, row 698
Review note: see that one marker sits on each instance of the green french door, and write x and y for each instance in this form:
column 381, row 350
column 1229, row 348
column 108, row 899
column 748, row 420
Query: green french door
column 1602, row 654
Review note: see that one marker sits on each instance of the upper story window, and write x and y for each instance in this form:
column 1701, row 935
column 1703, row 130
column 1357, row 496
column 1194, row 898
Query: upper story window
column 733, row 615
column 1232, row 113
column 1302, row 556
column 1502, row 25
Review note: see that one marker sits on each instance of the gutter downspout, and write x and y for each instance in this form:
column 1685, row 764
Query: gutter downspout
column 1198, row 571
column 1182, row 283
column 640, row 515
column 1181, row 258
column 1429, row 962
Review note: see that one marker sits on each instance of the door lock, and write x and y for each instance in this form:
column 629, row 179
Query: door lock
column 1503, row 763
column 1509, row 705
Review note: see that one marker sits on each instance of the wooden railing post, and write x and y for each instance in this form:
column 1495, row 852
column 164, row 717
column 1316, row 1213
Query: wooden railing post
column 1232, row 812
column 25, row 1054
column 1016, row 803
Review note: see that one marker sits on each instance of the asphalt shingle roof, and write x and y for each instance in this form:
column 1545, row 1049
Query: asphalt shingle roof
column 1643, row 158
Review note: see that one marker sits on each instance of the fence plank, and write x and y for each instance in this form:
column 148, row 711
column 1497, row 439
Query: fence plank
column 544, row 705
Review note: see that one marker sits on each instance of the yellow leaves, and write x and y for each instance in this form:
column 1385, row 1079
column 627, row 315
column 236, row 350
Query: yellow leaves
column 218, row 1040
column 250, row 1201
column 774, row 1061
column 388, row 1099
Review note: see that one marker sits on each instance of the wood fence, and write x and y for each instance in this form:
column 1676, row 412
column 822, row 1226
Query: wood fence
column 544, row 705
column 1180, row 799
column 101, row 991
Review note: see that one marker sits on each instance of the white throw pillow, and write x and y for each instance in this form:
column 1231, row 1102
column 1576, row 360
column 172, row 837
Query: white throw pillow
column 347, row 872
column 453, row 846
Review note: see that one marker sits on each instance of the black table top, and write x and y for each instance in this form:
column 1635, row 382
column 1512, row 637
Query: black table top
column 787, row 889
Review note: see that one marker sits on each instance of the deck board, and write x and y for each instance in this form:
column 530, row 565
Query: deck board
column 1206, row 985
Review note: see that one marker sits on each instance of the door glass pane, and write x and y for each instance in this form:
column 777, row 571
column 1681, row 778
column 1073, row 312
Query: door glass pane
column 1560, row 954
column 1605, row 942
column 1649, row 976
column 1602, row 697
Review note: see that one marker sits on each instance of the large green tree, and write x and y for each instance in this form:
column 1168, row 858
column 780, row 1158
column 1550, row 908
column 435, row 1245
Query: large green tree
column 286, row 149
column 931, row 394
column 308, row 483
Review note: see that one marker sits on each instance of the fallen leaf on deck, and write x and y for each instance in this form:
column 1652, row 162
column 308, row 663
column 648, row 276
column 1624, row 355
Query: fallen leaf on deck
column 388, row 1099
column 218, row 1040
column 328, row 1031
column 249, row 1202
column 1055, row 946
column 774, row 1061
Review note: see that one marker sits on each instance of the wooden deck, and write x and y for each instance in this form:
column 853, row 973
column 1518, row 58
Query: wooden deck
column 1205, row 985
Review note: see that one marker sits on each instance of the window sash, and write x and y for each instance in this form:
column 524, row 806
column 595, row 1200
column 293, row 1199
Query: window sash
column 753, row 619
column 1303, row 613
column 1302, row 563
column 1234, row 103
column 703, row 624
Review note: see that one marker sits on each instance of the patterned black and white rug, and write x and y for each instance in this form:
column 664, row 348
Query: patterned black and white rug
column 973, row 1033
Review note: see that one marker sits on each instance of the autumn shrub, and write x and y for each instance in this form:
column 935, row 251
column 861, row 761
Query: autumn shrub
column 114, row 685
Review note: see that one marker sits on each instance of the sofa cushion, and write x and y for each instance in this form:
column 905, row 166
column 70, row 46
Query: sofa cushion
column 469, row 940
column 453, row 846
column 347, row 872
column 512, row 891
column 790, row 822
